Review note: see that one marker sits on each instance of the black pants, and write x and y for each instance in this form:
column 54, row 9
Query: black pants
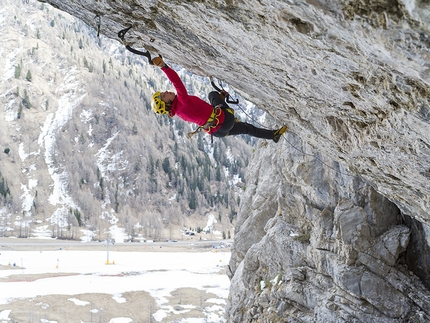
column 230, row 127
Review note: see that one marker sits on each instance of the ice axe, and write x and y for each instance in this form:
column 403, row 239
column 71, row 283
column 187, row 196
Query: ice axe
column 121, row 35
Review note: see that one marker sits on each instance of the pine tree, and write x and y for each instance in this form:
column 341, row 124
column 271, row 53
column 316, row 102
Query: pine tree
column 17, row 71
column 26, row 100
column 18, row 115
column 193, row 202
column 166, row 165
column 218, row 174
column 78, row 217
column 4, row 189
column 134, row 129
column 29, row 77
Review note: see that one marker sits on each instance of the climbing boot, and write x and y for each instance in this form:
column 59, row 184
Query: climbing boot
column 278, row 133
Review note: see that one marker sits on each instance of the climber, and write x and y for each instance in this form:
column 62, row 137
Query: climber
column 216, row 118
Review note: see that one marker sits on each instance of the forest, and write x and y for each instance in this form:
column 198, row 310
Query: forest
column 78, row 120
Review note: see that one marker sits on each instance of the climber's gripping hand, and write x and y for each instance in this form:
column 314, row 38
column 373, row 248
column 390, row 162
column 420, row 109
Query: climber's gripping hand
column 158, row 61
column 224, row 94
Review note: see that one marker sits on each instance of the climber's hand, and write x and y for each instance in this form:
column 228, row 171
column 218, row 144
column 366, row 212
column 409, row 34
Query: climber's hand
column 158, row 61
column 223, row 94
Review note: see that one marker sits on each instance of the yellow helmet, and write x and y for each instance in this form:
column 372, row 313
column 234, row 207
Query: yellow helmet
column 158, row 105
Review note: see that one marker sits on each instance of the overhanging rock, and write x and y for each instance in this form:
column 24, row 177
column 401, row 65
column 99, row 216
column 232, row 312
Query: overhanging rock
column 351, row 79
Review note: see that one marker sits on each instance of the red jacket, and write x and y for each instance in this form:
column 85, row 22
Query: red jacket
column 189, row 107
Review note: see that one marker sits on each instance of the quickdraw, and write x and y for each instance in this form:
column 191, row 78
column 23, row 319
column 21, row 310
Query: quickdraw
column 99, row 22
column 121, row 35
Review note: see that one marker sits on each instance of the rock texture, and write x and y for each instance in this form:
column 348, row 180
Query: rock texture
column 315, row 244
column 336, row 217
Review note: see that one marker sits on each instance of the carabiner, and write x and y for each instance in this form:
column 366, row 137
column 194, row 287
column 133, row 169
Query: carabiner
column 99, row 22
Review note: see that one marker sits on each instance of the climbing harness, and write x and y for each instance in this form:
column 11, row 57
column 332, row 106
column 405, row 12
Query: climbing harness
column 121, row 35
column 98, row 22
column 213, row 120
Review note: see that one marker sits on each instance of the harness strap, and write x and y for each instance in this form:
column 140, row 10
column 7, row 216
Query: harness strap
column 210, row 123
column 213, row 120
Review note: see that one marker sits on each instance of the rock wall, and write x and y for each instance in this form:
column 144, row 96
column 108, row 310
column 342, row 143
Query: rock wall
column 316, row 244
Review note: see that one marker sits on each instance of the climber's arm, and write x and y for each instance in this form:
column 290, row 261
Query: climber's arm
column 171, row 75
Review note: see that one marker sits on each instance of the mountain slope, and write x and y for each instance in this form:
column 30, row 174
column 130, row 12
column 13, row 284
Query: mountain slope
column 84, row 149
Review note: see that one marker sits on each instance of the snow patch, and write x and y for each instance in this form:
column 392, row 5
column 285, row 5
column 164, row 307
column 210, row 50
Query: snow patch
column 119, row 299
column 69, row 99
column 8, row 65
column 121, row 320
column 27, row 199
column 4, row 315
column 78, row 302
column 117, row 233
column 157, row 273
column 210, row 224
column 86, row 115
column 21, row 152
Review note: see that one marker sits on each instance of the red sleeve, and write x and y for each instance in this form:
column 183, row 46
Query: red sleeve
column 176, row 80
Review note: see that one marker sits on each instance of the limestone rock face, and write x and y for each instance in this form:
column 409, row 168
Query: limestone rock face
column 334, row 223
column 332, row 249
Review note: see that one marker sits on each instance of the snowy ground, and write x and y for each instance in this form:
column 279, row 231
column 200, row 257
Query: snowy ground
column 33, row 277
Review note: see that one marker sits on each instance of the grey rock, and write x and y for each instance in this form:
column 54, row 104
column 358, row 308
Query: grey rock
column 383, row 296
column 336, row 264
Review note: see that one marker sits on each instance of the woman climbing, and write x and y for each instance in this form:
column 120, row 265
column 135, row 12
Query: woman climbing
column 216, row 118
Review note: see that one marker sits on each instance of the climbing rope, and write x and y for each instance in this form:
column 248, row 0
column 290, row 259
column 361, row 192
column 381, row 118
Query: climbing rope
column 296, row 148
column 221, row 90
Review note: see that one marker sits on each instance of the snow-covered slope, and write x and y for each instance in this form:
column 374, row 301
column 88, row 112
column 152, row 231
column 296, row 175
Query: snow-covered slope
column 81, row 149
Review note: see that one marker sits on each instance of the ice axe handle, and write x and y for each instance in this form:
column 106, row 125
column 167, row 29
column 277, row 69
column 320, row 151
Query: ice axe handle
column 138, row 52
column 121, row 35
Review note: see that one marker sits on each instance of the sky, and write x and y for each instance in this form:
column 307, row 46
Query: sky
column 158, row 273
